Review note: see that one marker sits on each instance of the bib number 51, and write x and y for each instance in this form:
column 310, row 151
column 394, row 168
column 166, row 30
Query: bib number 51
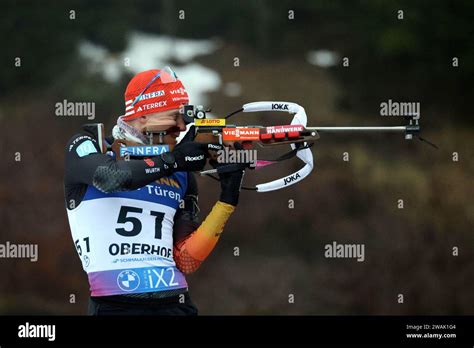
column 124, row 217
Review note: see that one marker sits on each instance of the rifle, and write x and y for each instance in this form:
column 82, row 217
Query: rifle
column 297, row 134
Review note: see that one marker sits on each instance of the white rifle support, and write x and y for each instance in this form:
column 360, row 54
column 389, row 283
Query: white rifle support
column 305, row 155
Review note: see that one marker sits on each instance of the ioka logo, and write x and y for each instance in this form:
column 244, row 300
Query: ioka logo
column 279, row 106
column 291, row 178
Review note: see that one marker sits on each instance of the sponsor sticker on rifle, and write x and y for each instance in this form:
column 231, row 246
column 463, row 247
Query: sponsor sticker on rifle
column 240, row 134
column 292, row 178
column 210, row 122
column 285, row 129
column 280, row 106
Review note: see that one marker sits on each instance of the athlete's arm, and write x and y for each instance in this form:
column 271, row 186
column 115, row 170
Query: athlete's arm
column 85, row 164
column 193, row 245
column 186, row 219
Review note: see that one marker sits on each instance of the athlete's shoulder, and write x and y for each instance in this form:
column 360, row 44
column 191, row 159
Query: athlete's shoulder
column 89, row 139
column 82, row 144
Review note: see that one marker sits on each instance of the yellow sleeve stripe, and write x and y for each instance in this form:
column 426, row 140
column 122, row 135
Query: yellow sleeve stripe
column 203, row 240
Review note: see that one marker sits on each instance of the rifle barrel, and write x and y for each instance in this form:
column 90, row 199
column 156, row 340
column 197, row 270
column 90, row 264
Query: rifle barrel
column 357, row 129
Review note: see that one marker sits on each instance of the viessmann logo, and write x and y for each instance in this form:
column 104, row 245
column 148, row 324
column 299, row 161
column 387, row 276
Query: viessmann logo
column 241, row 134
column 178, row 91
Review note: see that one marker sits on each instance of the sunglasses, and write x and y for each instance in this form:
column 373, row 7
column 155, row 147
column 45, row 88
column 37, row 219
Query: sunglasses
column 166, row 75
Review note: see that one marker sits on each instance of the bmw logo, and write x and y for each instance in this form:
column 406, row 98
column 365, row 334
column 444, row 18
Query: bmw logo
column 128, row 280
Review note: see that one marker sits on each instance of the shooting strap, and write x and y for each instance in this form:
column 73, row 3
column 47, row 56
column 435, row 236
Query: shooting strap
column 261, row 163
column 292, row 153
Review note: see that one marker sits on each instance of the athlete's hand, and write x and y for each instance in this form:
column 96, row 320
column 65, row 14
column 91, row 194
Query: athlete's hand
column 191, row 156
column 231, row 181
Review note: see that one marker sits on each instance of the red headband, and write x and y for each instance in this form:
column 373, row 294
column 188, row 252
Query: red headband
column 158, row 96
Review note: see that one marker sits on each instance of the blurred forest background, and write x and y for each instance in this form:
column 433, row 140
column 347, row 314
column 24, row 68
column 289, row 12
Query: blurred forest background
column 408, row 251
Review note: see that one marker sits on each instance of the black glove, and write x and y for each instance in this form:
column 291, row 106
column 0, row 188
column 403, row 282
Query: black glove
column 231, row 182
column 192, row 156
